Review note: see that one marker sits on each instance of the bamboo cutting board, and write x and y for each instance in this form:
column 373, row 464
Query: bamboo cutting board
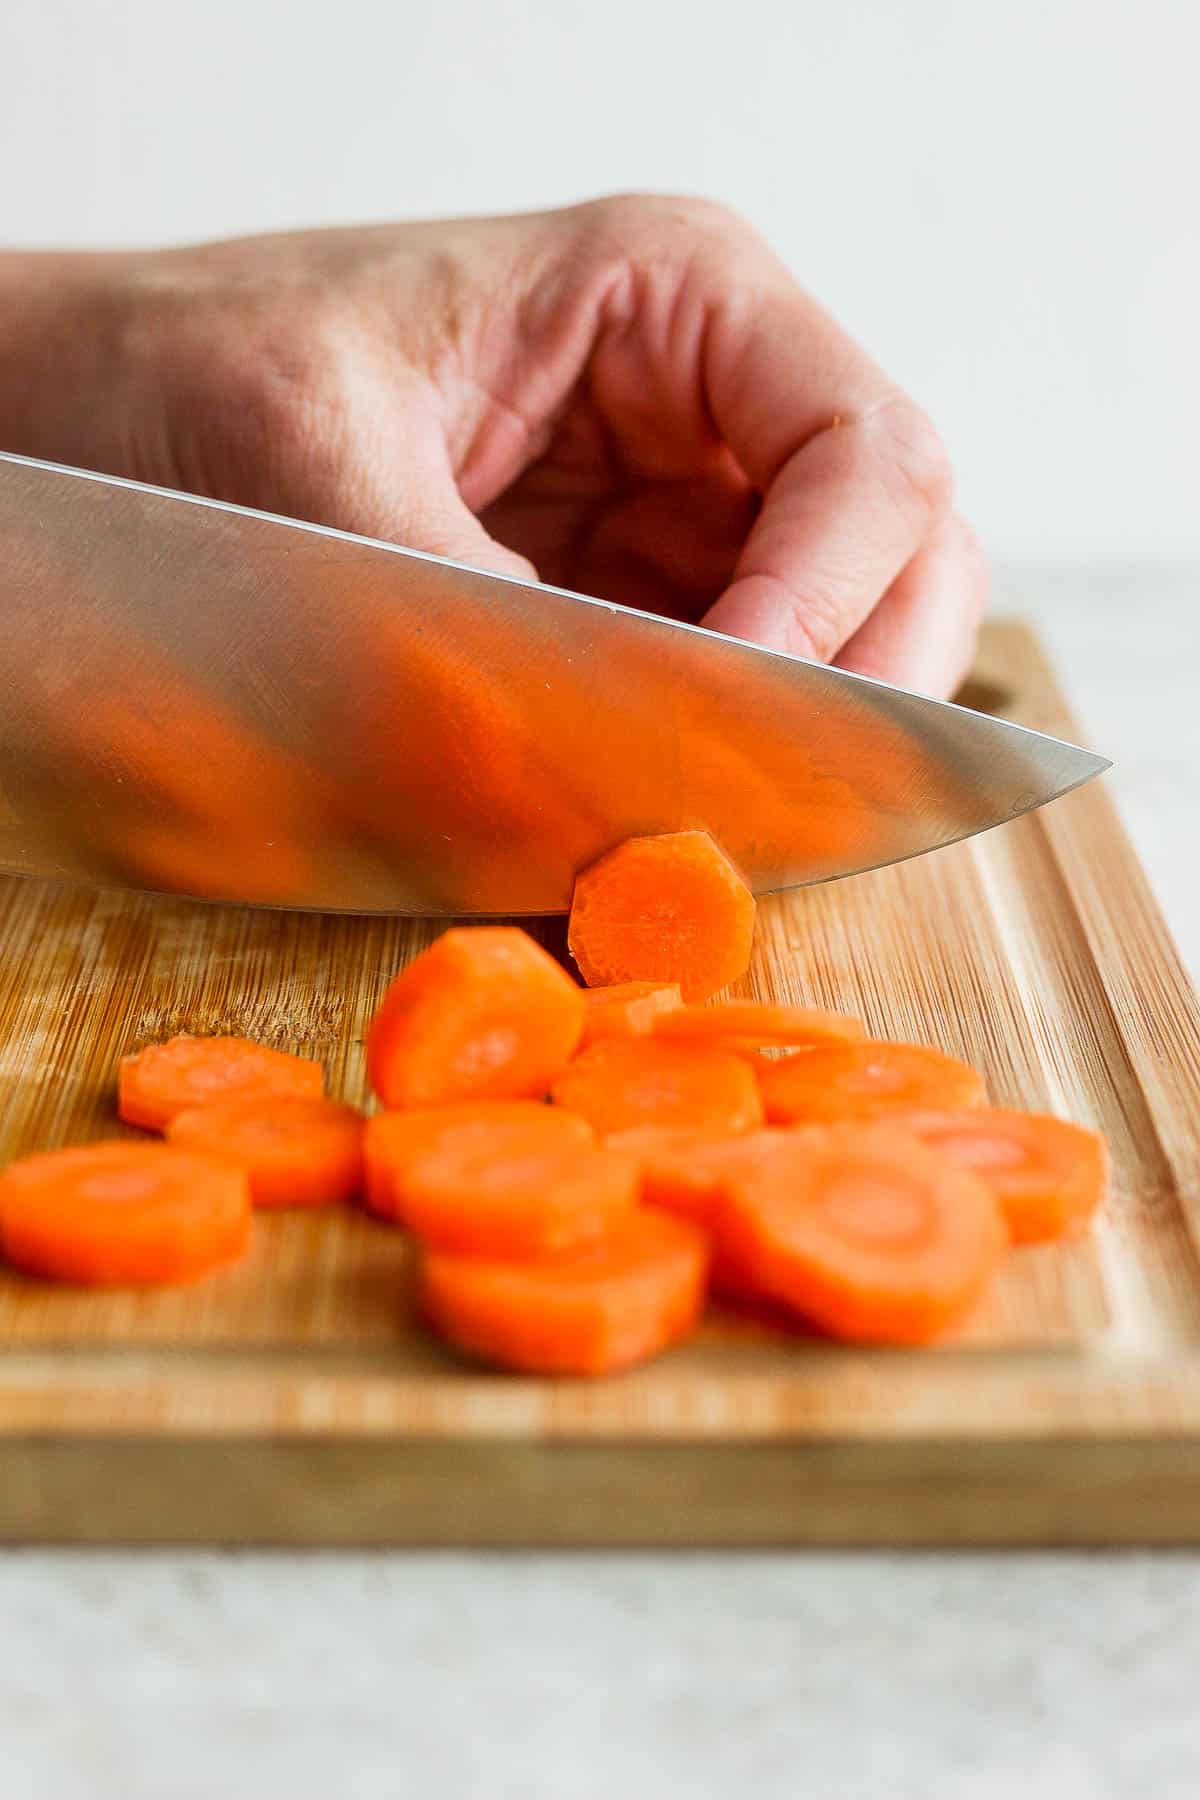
column 295, row 1400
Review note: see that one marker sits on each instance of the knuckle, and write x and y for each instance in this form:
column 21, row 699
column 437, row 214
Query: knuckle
column 636, row 220
column 917, row 457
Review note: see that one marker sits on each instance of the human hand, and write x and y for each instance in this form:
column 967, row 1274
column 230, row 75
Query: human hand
column 631, row 398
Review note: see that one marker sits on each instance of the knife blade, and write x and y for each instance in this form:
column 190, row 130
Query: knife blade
column 224, row 703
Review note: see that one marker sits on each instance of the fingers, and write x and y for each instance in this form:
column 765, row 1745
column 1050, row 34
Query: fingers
column 922, row 633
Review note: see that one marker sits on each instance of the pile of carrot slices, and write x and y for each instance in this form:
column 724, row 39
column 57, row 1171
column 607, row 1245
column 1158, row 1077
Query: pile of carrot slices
column 581, row 1167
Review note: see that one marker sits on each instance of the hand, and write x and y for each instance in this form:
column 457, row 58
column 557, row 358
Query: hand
column 631, row 398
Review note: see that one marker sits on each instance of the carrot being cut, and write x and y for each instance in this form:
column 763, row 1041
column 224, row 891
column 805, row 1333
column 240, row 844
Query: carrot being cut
column 623, row 1082
column 484, row 1014
column 395, row 1141
column 864, row 1231
column 750, row 1024
column 591, row 1310
column 663, row 909
column 1048, row 1176
column 865, row 1081
column 121, row 1214
column 165, row 1079
column 295, row 1151
column 630, row 1009
column 515, row 1190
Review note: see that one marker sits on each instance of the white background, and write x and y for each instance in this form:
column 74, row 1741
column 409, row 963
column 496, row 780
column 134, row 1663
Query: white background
column 1000, row 199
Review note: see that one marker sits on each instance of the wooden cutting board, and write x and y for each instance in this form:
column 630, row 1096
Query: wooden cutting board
column 296, row 1400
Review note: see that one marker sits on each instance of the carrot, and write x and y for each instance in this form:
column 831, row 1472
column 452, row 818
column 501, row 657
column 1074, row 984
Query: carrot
column 515, row 1191
column 1048, row 1176
column 865, row 1081
column 864, row 1231
column 483, row 1014
column 688, row 1172
column 630, row 1009
column 667, row 909
column 185, row 1072
column 591, row 1310
column 395, row 1141
column 622, row 1082
column 751, row 1024
column 122, row 1214
column 295, row 1151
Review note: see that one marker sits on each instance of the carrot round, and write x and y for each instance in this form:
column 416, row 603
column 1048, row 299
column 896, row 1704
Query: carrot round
column 483, row 1014
column 165, row 1079
column 623, row 1082
column 864, row 1231
column 865, row 1081
column 395, row 1141
column 122, row 1214
column 630, row 1009
column 1048, row 1176
column 665, row 909
column 511, row 1194
column 295, row 1151
column 588, row 1311
column 751, row 1024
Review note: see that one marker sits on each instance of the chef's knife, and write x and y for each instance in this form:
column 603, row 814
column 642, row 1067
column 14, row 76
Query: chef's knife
column 219, row 702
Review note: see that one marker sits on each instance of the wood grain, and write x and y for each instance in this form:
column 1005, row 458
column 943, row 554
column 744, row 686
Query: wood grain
column 1036, row 951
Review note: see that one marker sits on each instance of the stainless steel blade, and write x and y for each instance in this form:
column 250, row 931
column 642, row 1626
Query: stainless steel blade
column 218, row 702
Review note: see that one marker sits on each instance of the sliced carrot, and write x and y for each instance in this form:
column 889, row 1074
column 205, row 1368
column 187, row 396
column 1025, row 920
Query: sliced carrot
column 667, row 909
column 185, row 1072
column 688, row 1173
column 121, row 1214
column 591, row 1310
column 295, row 1151
column 397, row 1140
column 622, row 1082
column 1048, row 1176
column 751, row 1024
column 483, row 1014
column 865, row 1081
column 864, row 1231
column 515, row 1191
column 630, row 1009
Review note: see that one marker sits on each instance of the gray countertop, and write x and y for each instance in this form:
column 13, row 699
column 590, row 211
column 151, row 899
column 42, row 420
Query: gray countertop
column 576, row 1677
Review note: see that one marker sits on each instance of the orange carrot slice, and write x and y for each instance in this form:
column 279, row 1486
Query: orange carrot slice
column 666, row 909
column 483, row 1014
column 865, row 1081
column 185, row 1072
column 864, row 1231
column 622, row 1082
column 589, row 1311
column 121, row 1214
column 631, row 1009
column 513, row 1191
column 397, row 1140
column 1048, row 1176
column 295, row 1151
column 750, row 1023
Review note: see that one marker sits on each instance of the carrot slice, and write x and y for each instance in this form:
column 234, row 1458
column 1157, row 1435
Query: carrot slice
column 688, row 1173
column 295, row 1151
column 630, row 1009
column 185, row 1072
column 515, row 1191
column 591, row 1310
column 751, row 1024
column 123, row 1214
column 668, row 909
column 395, row 1141
column 865, row 1081
column 864, row 1231
column 1048, row 1176
column 483, row 1014
column 622, row 1082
